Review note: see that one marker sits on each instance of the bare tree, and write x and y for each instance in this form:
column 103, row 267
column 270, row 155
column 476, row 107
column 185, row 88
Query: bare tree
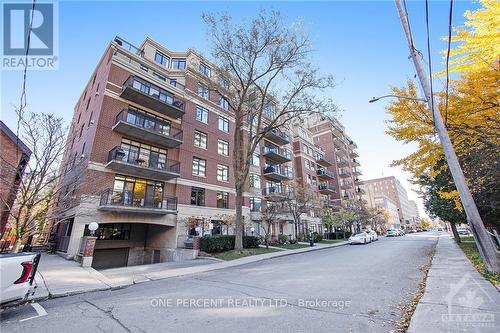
column 269, row 216
column 302, row 199
column 266, row 76
column 45, row 136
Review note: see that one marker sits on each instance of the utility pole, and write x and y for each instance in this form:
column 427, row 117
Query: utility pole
column 485, row 244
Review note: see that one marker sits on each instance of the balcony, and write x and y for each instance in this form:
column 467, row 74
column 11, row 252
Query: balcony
column 324, row 174
column 344, row 174
column 326, row 188
column 342, row 162
column 341, row 151
column 360, row 190
column 356, row 172
column 145, row 127
column 274, row 172
column 323, row 161
column 352, row 144
column 345, row 185
column 358, row 181
column 330, row 203
column 279, row 155
column 129, row 47
column 153, row 97
column 123, row 202
column 337, row 130
column 131, row 164
column 278, row 137
column 353, row 153
column 275, row 193
column 355, row 162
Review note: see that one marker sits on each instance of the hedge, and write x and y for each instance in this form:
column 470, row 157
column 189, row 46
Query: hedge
column 221, row 243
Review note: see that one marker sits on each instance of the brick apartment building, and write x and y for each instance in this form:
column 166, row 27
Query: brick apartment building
column 156, row 144
column 14, row 156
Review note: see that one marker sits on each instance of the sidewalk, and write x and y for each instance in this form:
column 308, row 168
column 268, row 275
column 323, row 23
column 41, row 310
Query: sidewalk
column 457, row 298
column 58, row 277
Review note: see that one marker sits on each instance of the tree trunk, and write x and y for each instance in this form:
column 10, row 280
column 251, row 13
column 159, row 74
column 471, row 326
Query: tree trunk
column 17, row 245
column 238, row 225
column 455, row 232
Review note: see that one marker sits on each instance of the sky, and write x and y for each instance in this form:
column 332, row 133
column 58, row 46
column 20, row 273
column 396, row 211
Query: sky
column 360, row 42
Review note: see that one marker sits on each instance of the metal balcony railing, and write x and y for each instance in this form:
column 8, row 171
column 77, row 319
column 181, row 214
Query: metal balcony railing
column 121, row 154
column 154, row 91
column 126, row 199
column 149, row 122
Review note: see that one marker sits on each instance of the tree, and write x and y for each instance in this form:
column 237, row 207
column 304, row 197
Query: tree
column 266, row 76
column 426, row 224
column 302, row 200
column 342, row 218
column 269, row 216
column 45, row 135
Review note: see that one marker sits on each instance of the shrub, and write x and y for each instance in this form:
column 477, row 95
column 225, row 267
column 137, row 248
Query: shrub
column 250, row 242
column 293, row 241
column 317, row 237
column 219, row 243
column 283, row 239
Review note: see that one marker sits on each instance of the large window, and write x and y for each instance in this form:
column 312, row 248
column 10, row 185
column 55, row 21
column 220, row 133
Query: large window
column 222, row 200
column 200, row 139
column 161, row 58
column 197, row 196
column 255, row 204
column 178, row 63
column 222, row 173
column 112, row 231
column 130, row 191
column 224, row 103
column 141, row 154
column 254, row 180
column 223, row 147
column 203, row 91
column 204, row 69
column 146, row 120
column 199, row 167
column 223, row 124
column 256, row 159
column 201, row 114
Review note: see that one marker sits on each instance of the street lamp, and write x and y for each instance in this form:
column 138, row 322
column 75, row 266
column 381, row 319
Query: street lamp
column 374, row 99
column 93, row 227
column 252, row 229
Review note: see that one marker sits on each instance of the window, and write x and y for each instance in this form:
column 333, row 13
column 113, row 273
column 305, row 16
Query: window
column 130, row 191
column 269, row 110
column 223, row 124
column 222, row 200
column 223, row 147
column 201, row 114
column 204, row 69
column 256, row 159
column 81, row 132
column 223, row 103
column 222, row 173
column 115, row 231
column 254, row 180
column 79, row 117
column 199, row 167
column 90, row 118
column 197, row 196
column 203, row 91
column 159, row 76
column 223, row 82
column 200, row 139
column 178, row 63
column 255, row 204
column 161, row 58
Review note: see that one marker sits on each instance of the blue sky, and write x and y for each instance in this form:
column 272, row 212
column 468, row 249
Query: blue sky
column 360, row 42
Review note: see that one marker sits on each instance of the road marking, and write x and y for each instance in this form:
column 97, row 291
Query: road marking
column 39, row 309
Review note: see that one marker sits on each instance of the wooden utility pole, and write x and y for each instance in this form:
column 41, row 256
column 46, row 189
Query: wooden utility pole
column 485, row 244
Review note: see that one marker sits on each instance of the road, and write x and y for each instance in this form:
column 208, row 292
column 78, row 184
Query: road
column 359, row 288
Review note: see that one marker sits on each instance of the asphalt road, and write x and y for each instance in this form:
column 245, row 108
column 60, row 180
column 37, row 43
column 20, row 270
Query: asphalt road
column 359, row 288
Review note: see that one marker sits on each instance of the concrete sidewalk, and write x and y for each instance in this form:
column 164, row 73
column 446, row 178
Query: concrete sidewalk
column 58, row 277
column 457, row 298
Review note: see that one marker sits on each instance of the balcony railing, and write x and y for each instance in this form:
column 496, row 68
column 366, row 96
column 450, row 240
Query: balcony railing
column 275, row 193
column 114, row 200
column 128, row 46
column 276, row 173
column 360, row 190
column 324, row 173
column 277, row 136
column 344, row 174
column 342, row 162
column 355, row 162
column 340, row 151
column 151, row 96
column 356, row 171
column 326, row 188
column 144, row 126
column 121, row 160
column 322, row 160
column 277, row 154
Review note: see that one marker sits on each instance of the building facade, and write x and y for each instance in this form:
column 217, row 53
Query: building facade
column 14, row 157
column 155, row 146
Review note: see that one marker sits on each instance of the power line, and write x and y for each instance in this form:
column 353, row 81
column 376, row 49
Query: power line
column 448, row 62
column 429, row 57
column 22, row 104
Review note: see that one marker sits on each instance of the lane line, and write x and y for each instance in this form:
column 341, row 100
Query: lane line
column 39, row 310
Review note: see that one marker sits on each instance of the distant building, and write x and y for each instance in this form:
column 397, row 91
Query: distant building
column 393, row 189
column 391, row 208
column 14, row 156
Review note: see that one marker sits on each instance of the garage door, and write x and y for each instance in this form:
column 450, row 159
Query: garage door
column 109, row 258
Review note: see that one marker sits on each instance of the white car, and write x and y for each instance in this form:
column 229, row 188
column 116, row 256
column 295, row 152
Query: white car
column 392, row 233
column 18, row 277
column 373, row 235
column 359, row 238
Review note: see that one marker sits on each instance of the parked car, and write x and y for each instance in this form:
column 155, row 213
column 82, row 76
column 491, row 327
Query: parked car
column 359, row 238
column 373, row 235
column 411, row 231
column 392, row 233
column 18, row 276
column 401, row 232
column 462, row 231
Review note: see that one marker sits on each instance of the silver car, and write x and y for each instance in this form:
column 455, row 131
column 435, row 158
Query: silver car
column 359, row 238
column 373, row 235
